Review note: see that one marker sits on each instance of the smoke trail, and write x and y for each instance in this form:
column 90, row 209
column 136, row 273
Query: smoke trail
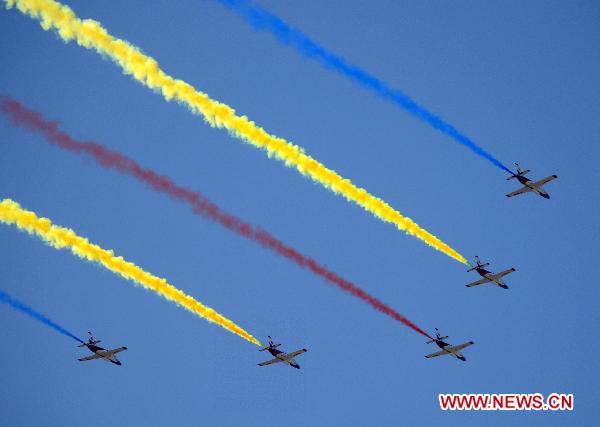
column 18, row 305
column 261, row 19
column 144, row 69
column 33, row 121
column 61, row 238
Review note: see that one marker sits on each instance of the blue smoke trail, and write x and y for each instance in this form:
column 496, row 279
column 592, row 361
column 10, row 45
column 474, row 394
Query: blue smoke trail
column 7, row 299
column 261, row 19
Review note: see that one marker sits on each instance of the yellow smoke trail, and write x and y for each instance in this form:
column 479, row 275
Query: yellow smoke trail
column 60, row 238
column 92, row 35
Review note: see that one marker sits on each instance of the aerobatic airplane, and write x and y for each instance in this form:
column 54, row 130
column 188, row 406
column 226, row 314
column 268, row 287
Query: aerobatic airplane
column 99, row 352
column 488, row 277
column 447, row 349
column 280, row 356
column 528, row 185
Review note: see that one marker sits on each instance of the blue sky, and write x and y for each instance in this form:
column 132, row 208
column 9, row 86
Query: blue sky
column 519, row 79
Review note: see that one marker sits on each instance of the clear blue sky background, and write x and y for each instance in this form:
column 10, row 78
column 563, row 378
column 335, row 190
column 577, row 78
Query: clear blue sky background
column 520, row 78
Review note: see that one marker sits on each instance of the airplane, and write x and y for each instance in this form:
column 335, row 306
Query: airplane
column 281, row 357
column 488, row 277
column 447, row 349
column 528, row 185
column 99, row 352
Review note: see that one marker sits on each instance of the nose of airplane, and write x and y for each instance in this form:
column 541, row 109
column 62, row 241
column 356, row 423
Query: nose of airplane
column 546, row 196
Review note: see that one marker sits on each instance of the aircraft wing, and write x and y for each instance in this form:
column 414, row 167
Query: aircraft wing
column 439, row 353
column 543, row 181
column 460, row 346
column 295, row 353
column 504, row 273
column 270, row 362
column 524, row 189
column 115, row 351
column 92, row 357
column 478, row 282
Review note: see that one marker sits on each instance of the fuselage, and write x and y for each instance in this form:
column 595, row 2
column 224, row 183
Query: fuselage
column 102, row 353
column 442, row 344
column 488, row 275
column 527, row 183
column 281, row 355
column 482, row 271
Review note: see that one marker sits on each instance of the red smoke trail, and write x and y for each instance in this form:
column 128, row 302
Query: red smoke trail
column 35, row 122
